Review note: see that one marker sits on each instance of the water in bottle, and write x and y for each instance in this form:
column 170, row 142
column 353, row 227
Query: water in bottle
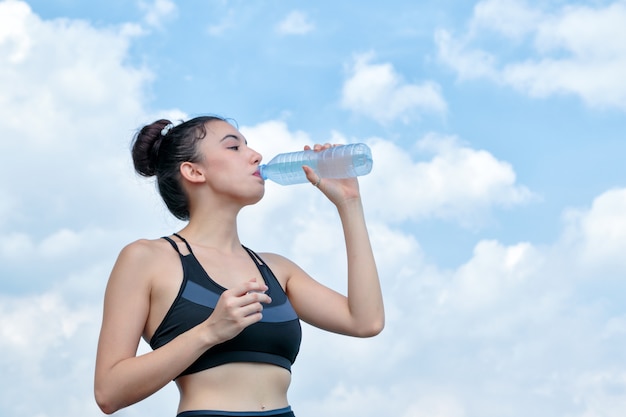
column 343, row 161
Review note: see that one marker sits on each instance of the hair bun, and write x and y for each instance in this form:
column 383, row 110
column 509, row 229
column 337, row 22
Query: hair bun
column 145, row 149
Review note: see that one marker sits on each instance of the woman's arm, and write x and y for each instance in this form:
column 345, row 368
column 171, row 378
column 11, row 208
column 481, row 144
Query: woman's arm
column 121, row 377
column 361, row 313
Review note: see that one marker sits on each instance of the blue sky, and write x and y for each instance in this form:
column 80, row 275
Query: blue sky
column 496, row 206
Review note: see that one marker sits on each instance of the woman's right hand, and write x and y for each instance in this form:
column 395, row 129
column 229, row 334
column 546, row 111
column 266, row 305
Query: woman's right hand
column 236, row 309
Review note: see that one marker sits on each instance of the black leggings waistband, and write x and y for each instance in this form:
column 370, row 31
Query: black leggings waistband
column 281, row 412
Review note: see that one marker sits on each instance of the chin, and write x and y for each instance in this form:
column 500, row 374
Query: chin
column 255, row 199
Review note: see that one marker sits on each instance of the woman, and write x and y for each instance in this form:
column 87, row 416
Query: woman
column 222, row 320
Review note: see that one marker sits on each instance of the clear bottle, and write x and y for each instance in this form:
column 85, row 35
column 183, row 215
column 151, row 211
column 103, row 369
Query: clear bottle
column 343, row 161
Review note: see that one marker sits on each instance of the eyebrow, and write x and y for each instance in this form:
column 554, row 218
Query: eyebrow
column 231, row 136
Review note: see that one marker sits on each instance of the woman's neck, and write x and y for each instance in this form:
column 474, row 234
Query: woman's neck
column 216, row 230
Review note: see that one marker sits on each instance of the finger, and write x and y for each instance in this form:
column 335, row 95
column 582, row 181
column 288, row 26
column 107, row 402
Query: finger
column 320, row 147
column 252, row 310
column 249, row 286
column 255, row 297
column 311, row 175
column 260, row 290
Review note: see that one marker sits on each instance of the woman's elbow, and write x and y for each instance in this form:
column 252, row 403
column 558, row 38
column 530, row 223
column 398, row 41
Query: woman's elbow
column 373, row 329
column 104, row 403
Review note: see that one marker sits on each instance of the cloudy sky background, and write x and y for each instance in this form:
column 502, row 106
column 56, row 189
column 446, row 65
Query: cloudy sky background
column 496, row 206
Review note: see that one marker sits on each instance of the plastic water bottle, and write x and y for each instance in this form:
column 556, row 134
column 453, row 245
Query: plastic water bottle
column 343, row 161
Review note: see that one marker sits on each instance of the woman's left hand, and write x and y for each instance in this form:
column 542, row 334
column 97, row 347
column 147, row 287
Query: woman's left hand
column 337, row 190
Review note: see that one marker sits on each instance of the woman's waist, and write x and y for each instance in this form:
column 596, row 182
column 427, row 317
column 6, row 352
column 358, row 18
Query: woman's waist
column 281, row 412
column 241, row 386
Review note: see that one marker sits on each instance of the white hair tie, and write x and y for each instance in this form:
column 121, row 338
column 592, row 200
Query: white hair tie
column 166, row 129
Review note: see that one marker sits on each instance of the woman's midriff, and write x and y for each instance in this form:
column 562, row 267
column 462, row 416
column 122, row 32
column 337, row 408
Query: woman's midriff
column 235, row 387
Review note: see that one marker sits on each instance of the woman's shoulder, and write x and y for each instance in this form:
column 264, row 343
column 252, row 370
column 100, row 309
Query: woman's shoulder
column 146, row 246
column 279, row 263
column 269, row 257
column 145, row 250
column 143, row 260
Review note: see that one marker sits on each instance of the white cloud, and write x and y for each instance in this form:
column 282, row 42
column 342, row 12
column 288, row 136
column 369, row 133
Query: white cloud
column 65, row 149
column 12, row 37
column 48, row 346
column 379, row 92
column 348, row 399
column 442, row 405
column 63, row 243
column 295, row 23
column 69, row 79
column 15, row 245
column 520, row 316
column 601, row 230
column 458, row 183
column 572, row 50
column 44, row 318
column 7, row 204
column 468, row 63
column 602, row 392
column 273, row 137
column 511, row 18
column 494, row 277
column 84, row 74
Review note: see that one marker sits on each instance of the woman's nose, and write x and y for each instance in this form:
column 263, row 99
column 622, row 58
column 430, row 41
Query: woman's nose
column 256, row 157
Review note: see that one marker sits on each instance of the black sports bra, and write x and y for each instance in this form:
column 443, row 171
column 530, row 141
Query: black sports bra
column 274, row 340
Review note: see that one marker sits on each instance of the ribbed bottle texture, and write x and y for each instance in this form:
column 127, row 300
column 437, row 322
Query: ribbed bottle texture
column 344, row 161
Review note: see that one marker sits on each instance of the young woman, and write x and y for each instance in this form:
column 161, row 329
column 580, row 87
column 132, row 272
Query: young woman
column 223, row 321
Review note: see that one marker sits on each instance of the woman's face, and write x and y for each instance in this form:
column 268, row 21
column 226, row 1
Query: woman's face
column 229, row 165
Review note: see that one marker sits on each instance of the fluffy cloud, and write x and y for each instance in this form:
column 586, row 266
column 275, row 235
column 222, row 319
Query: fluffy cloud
column 84, row 74
column 379, row 92
column 74, row 127
column 571, row 50
column 598, row 235
column 458, row 182
column 48, row 343
column 514, row 321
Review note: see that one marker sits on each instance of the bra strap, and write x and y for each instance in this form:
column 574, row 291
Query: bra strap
column 174, row 245
column 257, row 260
column 183, row 239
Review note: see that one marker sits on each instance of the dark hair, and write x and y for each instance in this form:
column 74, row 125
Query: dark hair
column 159, row 149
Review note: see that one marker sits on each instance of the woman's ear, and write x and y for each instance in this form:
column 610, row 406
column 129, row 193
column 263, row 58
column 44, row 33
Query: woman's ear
column 192, row 172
